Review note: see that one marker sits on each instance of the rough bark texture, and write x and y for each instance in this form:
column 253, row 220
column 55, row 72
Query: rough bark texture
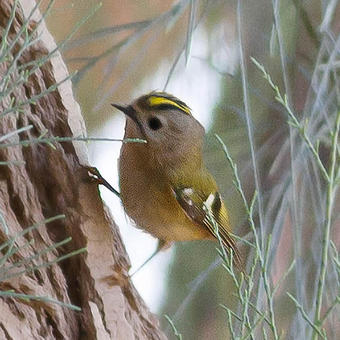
column 51, row 182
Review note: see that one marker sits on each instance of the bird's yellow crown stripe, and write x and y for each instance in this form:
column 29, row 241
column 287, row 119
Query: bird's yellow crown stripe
column 156, row 101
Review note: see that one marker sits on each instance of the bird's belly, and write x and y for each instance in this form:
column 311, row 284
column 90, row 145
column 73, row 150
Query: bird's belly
column 157, row 211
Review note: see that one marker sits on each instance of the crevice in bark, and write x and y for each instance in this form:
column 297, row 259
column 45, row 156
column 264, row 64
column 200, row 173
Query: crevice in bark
column 54, row 327
column 4, row 330
column 16, row 204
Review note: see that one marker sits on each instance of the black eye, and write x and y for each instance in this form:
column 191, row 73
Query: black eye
column 154, row 123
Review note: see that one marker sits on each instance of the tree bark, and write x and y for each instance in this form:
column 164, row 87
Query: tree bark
column 53, row 181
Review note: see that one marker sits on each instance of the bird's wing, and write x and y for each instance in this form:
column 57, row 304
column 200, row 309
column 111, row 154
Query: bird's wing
column 202, row 208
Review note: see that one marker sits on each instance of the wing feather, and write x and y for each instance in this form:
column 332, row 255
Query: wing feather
column 201, row 208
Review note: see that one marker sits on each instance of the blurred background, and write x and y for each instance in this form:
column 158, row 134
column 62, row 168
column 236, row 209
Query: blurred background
column 200, row 52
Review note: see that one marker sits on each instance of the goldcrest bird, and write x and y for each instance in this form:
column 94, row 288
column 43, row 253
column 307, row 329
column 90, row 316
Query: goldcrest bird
column 164, row 186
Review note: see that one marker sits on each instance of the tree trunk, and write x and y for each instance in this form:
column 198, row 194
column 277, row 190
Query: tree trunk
column 47, row 182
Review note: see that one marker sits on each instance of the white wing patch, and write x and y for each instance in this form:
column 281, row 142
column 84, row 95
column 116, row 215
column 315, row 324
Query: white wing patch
column 209, row 201
column 188, row 191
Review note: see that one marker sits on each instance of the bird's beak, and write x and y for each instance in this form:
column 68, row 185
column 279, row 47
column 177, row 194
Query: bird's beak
column 131, row 113
column 127, row 110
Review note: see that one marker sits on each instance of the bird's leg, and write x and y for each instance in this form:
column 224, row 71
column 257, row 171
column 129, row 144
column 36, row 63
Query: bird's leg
column 162, row 245
column 95, row 175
